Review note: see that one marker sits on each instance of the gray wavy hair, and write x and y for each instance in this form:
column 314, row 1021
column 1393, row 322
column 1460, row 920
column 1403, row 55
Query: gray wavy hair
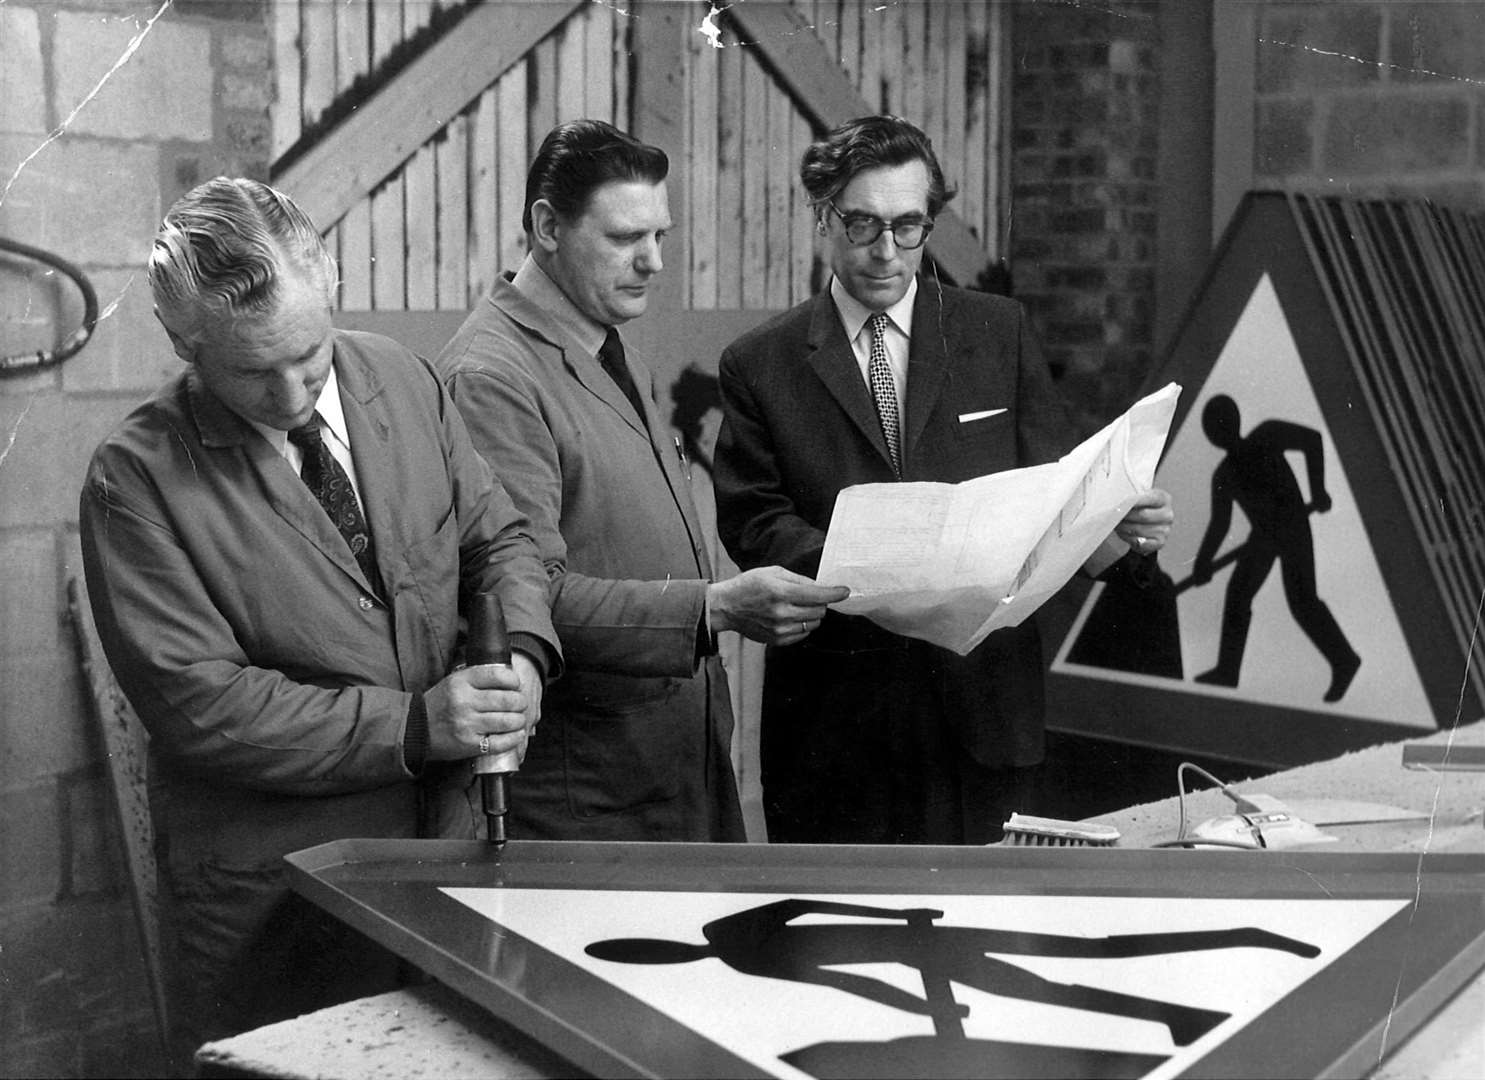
column 223, row 250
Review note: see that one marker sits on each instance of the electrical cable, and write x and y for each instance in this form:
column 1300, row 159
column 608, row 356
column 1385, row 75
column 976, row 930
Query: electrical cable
column 20, row 362
column 1181, row 839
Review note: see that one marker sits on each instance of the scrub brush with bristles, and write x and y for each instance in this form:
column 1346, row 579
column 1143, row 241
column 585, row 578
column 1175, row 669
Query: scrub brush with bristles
column 1026, row 831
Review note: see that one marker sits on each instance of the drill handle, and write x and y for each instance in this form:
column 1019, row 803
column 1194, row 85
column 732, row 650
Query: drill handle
column 507, row 761
column 489, row 643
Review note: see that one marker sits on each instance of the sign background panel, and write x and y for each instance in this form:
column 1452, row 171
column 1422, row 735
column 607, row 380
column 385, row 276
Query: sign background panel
column 1340, row 1021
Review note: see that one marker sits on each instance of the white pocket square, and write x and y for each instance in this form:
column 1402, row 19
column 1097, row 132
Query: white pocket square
column 966, row 417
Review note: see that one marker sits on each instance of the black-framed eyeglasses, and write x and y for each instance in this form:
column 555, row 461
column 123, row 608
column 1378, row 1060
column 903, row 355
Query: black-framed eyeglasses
column 863, row 229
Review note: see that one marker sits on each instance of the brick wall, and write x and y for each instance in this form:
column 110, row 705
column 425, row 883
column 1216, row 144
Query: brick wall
column 1372, row 99
column 105, row 117
column 1085, row 105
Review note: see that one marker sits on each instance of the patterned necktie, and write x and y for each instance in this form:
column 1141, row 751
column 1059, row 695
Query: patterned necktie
column 611, row 356
column 883, row 390
column 323, row 475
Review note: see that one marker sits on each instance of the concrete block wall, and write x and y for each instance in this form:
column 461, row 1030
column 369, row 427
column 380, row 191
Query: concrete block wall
column 1084, row 137
column 1373, row 99
column 109, row 109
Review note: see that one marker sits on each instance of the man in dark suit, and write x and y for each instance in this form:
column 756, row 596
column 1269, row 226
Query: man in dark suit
column 870, row 737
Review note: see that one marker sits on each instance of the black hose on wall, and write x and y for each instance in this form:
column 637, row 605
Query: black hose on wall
column 21, row 362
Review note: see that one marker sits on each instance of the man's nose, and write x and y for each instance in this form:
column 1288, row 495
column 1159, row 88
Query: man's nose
column 649, row 259
column 885, row 245
column 292, row 393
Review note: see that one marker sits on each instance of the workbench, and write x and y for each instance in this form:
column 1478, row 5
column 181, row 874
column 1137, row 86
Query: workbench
column 429, row 1030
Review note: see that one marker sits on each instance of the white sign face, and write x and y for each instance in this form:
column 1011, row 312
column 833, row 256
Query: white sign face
column 1297, row 570
column 896, row 985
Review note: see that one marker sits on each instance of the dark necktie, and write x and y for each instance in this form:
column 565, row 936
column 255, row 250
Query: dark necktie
column 325, row 478
column 611, row 356
column 883, row 389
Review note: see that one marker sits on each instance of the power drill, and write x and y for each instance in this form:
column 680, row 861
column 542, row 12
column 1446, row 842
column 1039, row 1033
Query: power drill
column 488, row 643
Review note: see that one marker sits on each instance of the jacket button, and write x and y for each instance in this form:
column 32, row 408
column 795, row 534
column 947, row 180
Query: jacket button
column 366, row 603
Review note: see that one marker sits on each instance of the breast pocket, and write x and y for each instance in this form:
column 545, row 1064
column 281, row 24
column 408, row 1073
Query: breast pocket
column 982, row 423
column 983, row 440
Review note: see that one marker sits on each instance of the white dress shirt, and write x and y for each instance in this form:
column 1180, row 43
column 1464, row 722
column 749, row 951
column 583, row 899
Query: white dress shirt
column 854, row 316
column 332, row 430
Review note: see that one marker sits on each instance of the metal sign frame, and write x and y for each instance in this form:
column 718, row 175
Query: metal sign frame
column 1339, row 1022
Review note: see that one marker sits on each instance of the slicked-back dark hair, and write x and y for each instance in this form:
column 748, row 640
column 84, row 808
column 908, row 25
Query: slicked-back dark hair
column 868, row 142
column 580, row 156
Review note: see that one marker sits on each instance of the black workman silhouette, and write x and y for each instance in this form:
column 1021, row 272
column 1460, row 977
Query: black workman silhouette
column 1256, row 476
column 761, row 941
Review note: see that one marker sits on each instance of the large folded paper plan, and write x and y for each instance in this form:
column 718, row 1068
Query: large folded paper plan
column 949, row 563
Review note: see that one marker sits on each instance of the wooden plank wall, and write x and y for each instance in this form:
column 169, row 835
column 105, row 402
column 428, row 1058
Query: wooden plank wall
column 435, row 233
column 939, row 64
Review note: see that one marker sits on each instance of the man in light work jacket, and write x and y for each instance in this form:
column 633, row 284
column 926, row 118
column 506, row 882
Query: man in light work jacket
column 870, row 737
column 295, row 670
column 635, row 742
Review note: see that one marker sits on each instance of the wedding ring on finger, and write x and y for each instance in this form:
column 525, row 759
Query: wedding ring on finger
column 484, row 745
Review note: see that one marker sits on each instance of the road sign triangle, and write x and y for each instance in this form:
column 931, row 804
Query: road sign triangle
column 1260, row 371
column 1313, row 633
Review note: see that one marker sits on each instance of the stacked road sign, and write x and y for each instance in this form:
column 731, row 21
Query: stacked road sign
column 1324, row 585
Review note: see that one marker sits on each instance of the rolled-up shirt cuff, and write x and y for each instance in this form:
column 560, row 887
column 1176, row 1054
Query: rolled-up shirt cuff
column 540, row 653
column 706, row 641
column 415, row 737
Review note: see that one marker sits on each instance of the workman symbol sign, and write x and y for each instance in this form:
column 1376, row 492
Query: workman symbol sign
column 1270, row 589
column 766, row 941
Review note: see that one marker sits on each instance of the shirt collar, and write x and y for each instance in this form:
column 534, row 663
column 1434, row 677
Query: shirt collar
column 853, row 313
column 329, row 408
column 537, row 286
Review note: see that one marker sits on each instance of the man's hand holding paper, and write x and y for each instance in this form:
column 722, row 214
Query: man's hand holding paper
column 949, row 563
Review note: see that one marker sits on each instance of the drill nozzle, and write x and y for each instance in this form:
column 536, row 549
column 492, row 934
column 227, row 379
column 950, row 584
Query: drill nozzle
column 495, row 795
column 490, row 644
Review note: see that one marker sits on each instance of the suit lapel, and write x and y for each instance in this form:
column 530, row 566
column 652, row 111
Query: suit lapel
column 935, row 341
column 598, row 381
column 584, row 368
column 370, row 431
column 590, row 374
column 835, row 363
column 285, row 491
column 220, row 428
column 668, row 459
column 588, row 371
column 656, row 431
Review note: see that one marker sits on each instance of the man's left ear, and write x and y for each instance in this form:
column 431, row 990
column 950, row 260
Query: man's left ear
column 544, row 226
